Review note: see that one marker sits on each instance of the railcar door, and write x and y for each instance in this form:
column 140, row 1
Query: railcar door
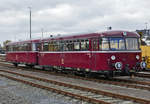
column 62, row 55
column 29, row 48
column 94, row 49
column 38, row 49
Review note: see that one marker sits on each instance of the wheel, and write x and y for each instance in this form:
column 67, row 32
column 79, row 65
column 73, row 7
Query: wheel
column 29, row 65
column 15, row 64
column 109, row 74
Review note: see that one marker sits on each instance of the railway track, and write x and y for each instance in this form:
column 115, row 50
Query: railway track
column 115, row 81
column 75, row 91
column 3, row 57
column 143, row 75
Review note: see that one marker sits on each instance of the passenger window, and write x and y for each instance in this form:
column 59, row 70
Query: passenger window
column 45, row 47
column 25, row 47
column 65, row 48
column 87, row 44
column 38, row 46
column 33, row 47
column 77, row 45
column 84, row 45
column 61, row 45
column 29, row 47
column 70, row 45
column 56, row 46
column 95, row 46
column 50, row 46
column 15, row 48
column 104, row 44
column 20, row 48
column 11, row 48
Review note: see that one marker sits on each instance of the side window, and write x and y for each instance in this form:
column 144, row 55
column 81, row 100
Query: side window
column 28, row 46
column 77, row 45
column 51, row 46
column 16, row 48
column 56, row 46
column 45, row 46
column 25, row 47
column 84, row 45
column 70, row 45
column 65, row 48
column 87, row 44
column 19, row 47
column 38, row 46
column 95, row 45
column 33, row 47
column 11, row 48
column 61, row 45
column 104, row 44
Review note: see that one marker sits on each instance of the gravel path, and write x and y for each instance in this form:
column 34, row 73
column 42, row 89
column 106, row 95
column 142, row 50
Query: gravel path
column 12, row 92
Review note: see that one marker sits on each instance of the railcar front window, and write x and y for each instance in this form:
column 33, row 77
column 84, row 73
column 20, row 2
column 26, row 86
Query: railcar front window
column 132, row 43
column 117, row 44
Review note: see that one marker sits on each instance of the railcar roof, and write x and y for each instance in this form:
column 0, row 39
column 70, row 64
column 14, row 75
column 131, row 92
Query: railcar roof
column 25, row 41
column 83, row 35
column 97, row 34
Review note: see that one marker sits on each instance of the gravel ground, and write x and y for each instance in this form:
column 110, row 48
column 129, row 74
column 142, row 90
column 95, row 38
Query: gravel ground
column 12, row 92
column 105, row 87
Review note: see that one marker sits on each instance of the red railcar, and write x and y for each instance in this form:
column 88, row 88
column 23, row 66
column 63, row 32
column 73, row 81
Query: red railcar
column 24, row 52
column 106, row 52
column 102, row 53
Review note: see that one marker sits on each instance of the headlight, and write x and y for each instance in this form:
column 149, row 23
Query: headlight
column 137, row 57
column 113, row 57
column 118, row 65
column 143, row 65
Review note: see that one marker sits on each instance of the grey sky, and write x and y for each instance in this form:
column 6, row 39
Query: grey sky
column 70, row 16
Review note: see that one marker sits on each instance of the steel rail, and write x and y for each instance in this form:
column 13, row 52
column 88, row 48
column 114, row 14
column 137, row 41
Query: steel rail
column 120, row 82
column 112, row 81
column 138, row 100
column 84, row 98
column 143, row 75
column 132, row 81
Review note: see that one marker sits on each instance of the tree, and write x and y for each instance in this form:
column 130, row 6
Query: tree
column 0, row 46
column 5, row 43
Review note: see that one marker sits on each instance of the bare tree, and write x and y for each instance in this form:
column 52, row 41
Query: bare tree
column 5, row 43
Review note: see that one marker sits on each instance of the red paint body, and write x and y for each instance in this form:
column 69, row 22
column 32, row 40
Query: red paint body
column 26, row 56
column 22, row 57
column 94, row 61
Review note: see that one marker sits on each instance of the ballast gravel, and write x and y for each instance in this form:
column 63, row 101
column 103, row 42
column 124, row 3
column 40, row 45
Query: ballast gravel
column 139, row 93
column 12, row 92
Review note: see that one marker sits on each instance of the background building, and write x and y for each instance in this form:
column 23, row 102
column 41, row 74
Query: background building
column 145, row 32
